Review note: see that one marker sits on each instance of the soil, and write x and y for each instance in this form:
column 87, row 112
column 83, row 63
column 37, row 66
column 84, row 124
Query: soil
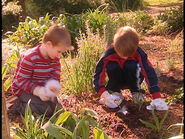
column 128, row 126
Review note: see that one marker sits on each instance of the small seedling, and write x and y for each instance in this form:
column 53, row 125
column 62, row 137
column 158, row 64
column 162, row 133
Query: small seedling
column 157, row 125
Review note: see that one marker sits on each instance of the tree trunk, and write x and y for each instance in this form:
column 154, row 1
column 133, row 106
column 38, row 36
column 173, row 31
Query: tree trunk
column 5, row 121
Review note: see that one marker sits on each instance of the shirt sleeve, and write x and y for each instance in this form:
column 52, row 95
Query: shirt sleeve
column 22, row 77
column 149, row 73
column 99, row 76
column 56, row 71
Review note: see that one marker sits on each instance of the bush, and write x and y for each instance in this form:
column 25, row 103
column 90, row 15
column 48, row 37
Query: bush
column 37, row 8
column 78, row 74
column 30, row 32
column 140, row 20
column 10, row 16
column 174, row 18
column 123, row 5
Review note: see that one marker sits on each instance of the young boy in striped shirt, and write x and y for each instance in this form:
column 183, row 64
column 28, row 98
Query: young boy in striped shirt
column 38, row 70
column 126, row 66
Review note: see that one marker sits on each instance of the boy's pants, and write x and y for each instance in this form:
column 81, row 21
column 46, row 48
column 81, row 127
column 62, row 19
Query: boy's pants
column 36, row 104
column 129, row 77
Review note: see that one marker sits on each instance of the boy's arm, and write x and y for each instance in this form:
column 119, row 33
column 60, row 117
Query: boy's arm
column 57, row 70
column 150, row 75
column 99, row 76
column 22, row 80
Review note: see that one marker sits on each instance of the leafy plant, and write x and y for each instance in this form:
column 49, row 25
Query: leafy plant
column 31, row 126
column 170, row 131
column 174, row 18
column 68, row 125
column 177, row 97
column 157, row 126
column 140, row 20
column 170, row 63
column 9, row 67
column 96, row 19
column 79, row 73
column 30, row 32
column 123, row 5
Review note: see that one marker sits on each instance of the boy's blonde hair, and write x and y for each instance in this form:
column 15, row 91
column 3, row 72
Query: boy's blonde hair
column 126, row 41
column 57, row 34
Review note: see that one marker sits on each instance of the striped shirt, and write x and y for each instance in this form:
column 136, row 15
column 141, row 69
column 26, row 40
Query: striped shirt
column 34, row 70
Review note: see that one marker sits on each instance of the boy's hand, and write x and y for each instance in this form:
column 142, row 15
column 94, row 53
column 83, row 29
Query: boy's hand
column 41, row 93
column 158, row 104
column 111, row 100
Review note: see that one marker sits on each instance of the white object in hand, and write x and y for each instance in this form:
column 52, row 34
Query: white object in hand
column 111, row 100
column 158, row 104
column 49, row 91
column 52, row 89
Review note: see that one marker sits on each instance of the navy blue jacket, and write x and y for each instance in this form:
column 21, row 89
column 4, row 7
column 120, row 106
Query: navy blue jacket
column 140, row 56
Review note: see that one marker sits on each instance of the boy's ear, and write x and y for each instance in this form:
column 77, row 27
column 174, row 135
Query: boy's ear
column 49, row 43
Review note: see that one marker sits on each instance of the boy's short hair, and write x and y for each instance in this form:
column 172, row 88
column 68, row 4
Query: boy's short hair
column 126, row 41
column 57, row 34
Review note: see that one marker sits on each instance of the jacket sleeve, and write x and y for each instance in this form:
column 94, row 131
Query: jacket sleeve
column 99, row 76
column 22, row 77
column 149, row 74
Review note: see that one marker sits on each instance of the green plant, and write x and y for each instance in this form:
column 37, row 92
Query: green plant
column 139, row 102
column 174, row 18
column 9, row 67
column 31, row 128
column 157, row 126
column 10, row 15
column 96, row 19
column 140, row 20
column 170, row 131
column 177, row 97
column 68, row 125
column 79, row 73
column 170, row 63
column 176, row 46
column 30, row 32
column 123, row 5
column 159, row 27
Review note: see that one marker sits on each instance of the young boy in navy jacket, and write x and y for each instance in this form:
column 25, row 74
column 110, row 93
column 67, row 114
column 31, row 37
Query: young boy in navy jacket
column 126, row 66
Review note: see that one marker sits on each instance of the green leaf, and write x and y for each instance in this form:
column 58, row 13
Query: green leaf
column 63, row 117
column 147, row 124
column 7, row 83
column 87, row 111
column 4, row 71
column 162, row 121
column 156, row 120
column 56, row 131
column 98, row 134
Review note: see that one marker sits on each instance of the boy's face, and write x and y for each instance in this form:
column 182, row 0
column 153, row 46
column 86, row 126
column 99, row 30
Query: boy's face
column 56, row 51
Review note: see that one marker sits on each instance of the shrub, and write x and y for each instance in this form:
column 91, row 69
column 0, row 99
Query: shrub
column 96, row 19
column 123, row 5
column 174, row 18
column 10, row 16
column 30, row 32
column 140, row 20
column 159, row 27
column 37, row 8
column 78, row 74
